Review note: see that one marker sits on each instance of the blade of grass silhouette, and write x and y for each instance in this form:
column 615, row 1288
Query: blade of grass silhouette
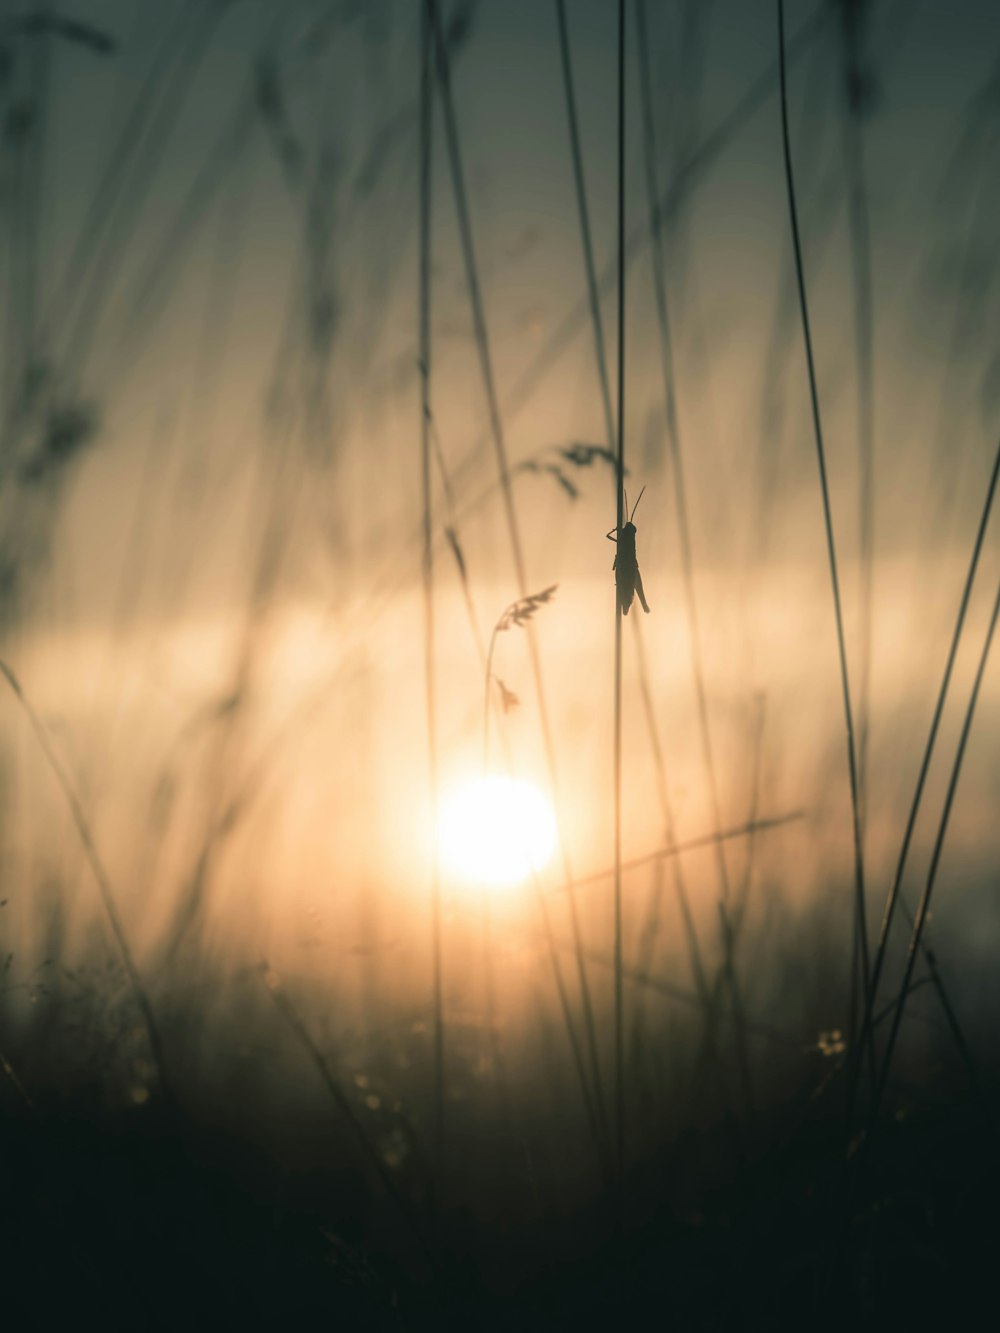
column 182, row 228
column 742, row 900
column 889, row 1008
column 597, row 1124
column 118, row 225
column 223, row 158
column 290, row 1014
column 452, row 536
column 583, row 215
column 654, row 212
column 486, row 657
column 133, row 120
column 162, row 438
column 278, row 494
column 509, row 1117
column 306, row 707
column 275, row 498
column 25, row 216
column 684, row 181
column 619, row 1011
column 893, row 898
column 100, row 877
column 500, row 450
column 925, row 898
column 614, row 437
column 652, row 924
column 518, row 613
column 674, row 992
column 733, row 919
column 860, row 922
column 977, row 236
column 583, row 218
column 674, row 196
column 239, row 806
column 199, row 415
column 427, row 564
column 643, row 1052
column 859, row 222
column 691, row 845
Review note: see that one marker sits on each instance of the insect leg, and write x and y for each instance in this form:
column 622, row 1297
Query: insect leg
column 638, row 588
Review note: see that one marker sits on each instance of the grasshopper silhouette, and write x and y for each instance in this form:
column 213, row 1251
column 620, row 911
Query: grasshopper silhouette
column 628, row 580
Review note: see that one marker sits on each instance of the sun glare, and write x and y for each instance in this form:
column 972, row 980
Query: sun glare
column 496, row 831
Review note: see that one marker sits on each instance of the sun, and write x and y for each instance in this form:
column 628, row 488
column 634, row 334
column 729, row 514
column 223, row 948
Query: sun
column 496, row 831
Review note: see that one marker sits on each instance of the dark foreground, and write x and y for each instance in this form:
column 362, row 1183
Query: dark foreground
column 151, row 1220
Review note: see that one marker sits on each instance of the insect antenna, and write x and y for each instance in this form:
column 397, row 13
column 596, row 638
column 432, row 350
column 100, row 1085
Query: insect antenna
column 636, row 505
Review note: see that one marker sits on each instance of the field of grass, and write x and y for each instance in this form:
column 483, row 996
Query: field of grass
column 334, row 337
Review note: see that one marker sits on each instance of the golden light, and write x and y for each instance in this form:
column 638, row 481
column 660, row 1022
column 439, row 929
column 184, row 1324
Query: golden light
column 496, row 831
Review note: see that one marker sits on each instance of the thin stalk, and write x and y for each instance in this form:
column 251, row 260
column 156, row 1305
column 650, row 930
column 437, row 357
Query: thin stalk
column 133, row 115
column 590, row 268
column 31, row 202
column 734, row 918
column 674, row 992
column 583, row 214
column 618, row 961
column 742, row 901
column 694, row 844
column 894, row 897
column 291, row 1016
column 651, row 925
column 684, row 179
column 655, row 215
column 860, row 228
column 596, row 1121
column 486, row 656
column 496, row 432
column 426, row 139
column 596, row 1124
column 861, row 250
column 100, row 877
column 90, row 301
column 451, row 536
column 925, row 898
column 860, row 924
column 486, row 698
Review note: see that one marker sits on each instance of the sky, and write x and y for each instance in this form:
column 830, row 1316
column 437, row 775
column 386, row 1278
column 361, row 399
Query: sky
column 212, row 585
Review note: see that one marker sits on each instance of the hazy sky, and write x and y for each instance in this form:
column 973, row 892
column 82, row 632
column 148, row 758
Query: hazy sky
column 210, row 237
column 211, row 246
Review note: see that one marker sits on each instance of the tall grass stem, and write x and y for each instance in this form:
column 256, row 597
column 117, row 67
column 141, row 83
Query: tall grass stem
column 893, row 899
column 860, row 923
column 426, row 139
column 496, row 433
column 925, row 898
column 100, row 876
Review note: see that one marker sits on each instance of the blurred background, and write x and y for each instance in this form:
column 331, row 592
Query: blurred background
column 218, row 822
